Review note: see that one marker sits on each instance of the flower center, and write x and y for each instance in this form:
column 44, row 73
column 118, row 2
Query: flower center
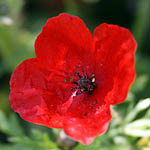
column 85, row 83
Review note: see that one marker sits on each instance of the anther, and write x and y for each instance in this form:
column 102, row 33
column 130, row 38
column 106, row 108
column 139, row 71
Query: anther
column 93, row 80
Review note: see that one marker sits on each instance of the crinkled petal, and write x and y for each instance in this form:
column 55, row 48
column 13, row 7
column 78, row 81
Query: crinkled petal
column 87, row 117
column 36, row 94
column 85, row 129
column 114, row 52
column 64, row 42
column 29, row 74
column 31, row 106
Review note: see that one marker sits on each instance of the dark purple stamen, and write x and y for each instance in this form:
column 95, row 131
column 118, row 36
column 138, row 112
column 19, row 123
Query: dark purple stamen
column 85, row 83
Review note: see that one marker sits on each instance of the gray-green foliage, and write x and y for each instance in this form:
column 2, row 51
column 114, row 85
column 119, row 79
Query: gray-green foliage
column 17, row 138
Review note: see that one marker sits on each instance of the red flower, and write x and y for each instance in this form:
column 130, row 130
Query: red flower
column 75, row 77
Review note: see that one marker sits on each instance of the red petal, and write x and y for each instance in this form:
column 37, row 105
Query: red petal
column 87, row 117
column 65, row 41
column 29, row 74
column 85, row 129
column 34, row 97
column 31, row 106
column 115, row 48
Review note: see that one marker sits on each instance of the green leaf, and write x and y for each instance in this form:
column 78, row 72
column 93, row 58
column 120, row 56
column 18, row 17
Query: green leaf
column 4, row 124
column 41, row 138
column 10, row 125
column 142, row 105
column 37, row 141
column 138, row 128
column 23, row 147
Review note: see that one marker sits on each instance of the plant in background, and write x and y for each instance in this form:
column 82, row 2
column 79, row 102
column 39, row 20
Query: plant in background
column 75, row 77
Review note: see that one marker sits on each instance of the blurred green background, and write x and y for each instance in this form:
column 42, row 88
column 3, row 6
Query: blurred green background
column 20, row 23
